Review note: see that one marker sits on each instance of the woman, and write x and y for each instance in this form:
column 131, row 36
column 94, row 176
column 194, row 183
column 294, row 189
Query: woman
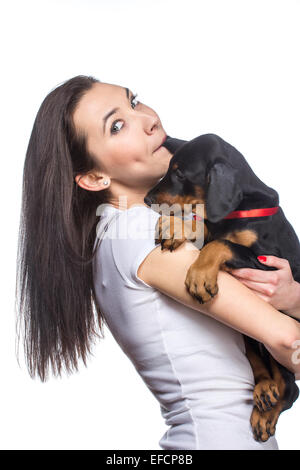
column 91, row 144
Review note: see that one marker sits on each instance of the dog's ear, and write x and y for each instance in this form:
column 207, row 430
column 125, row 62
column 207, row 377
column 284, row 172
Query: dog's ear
column 223, row 193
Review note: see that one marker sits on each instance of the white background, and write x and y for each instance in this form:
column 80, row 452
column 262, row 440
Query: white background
column 225, row 66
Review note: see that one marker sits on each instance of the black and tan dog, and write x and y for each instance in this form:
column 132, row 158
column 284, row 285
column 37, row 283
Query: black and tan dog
column 209, row 171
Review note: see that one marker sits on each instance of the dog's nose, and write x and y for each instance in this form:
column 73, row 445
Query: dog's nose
column 148, row 201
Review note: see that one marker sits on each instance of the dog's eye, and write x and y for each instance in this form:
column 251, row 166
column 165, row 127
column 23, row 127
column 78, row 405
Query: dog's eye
column 179, row 174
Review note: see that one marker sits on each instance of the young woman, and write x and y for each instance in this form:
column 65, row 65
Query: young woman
column 93, row 143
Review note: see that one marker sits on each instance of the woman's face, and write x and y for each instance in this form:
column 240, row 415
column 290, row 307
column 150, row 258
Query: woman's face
column 124, row 143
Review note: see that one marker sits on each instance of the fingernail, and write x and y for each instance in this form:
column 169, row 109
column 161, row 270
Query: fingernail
column 263, row 259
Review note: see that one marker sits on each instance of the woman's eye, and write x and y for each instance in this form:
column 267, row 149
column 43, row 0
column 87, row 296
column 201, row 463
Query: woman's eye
column 134, row 98
column 133, row 101
column 179, row 174
column 112, row 129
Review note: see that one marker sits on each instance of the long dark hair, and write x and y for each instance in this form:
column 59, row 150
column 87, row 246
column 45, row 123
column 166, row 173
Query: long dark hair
column 56, row 306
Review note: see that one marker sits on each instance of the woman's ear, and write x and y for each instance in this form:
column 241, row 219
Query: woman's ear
column 92, row 182
column 224, row 193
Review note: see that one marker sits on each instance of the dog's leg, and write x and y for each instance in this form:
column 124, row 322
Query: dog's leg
column 266, row 392
column 285, row 379
column 275, row 391
column 172, row 231
column 264, row 423
column 201, row 278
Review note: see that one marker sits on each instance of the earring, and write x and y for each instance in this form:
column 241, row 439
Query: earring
column 105, row 182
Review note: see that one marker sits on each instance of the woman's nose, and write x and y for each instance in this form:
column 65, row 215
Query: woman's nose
column 151, row 123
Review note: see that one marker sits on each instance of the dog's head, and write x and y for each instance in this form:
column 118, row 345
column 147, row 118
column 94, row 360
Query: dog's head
column 200, row 173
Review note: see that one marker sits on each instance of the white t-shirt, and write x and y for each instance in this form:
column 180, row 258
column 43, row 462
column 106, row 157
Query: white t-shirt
column 194, row 365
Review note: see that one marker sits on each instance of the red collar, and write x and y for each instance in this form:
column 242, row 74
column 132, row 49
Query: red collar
column 251, row 213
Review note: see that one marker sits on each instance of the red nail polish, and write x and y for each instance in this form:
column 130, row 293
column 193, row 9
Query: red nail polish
column 262, row 258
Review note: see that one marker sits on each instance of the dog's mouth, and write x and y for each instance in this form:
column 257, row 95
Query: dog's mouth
column 148, row 201
column 180, row 204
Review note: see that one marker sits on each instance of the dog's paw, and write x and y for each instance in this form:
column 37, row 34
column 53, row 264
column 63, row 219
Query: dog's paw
column 264, row 423
column 201, row 282
column 266, row 395
column 170, row 232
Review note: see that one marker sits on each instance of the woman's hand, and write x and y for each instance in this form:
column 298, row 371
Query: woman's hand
column 275, row 287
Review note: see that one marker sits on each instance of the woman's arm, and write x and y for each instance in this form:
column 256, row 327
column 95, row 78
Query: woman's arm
column 235, row 305
column 278, row 288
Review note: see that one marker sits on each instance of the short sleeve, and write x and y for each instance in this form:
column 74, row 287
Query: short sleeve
column 135, row 229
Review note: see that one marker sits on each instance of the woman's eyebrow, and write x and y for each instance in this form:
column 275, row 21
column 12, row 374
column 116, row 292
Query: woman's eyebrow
column 113, row 111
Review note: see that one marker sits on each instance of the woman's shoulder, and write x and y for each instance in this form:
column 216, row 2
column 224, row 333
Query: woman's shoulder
column 142, row 210
column 115, row 223
column 127, row 240
column 136, row 220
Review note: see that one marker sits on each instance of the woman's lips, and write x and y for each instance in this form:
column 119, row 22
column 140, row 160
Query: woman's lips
column 165, row 137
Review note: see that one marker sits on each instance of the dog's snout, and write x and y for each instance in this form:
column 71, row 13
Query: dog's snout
column 148, row 201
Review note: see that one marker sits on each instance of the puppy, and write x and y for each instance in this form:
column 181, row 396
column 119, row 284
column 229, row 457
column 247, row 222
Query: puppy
column 242, row 220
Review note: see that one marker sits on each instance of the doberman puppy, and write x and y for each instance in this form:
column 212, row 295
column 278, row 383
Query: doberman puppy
column 209, row 171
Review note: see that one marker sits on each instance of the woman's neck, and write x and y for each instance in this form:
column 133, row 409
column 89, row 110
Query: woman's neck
column 126, row 201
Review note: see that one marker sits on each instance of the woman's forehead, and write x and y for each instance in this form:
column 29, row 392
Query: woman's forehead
column 97, row 102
